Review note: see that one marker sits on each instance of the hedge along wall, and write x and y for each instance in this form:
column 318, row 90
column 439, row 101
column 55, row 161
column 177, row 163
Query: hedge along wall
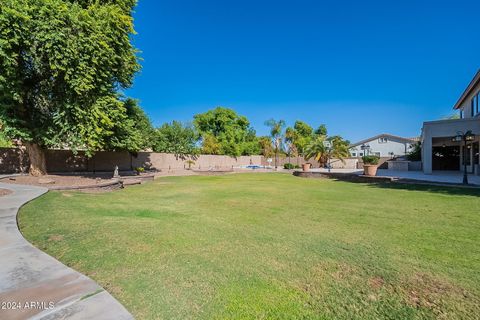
column 14, row 160
column 349, row 163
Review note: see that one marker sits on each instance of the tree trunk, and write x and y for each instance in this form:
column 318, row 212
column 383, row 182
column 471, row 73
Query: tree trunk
column 276, row 156
column 36, row 155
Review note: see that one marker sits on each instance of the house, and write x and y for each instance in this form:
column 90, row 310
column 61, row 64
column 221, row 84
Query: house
column 443, row 146
column 383, row 145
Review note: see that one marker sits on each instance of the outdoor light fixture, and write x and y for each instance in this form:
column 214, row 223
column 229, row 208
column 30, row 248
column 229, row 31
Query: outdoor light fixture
column 458, row 138
column 365, row 147
column 465, row 137
column 469, row 136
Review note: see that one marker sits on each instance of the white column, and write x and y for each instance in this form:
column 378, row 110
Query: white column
column 427, row 155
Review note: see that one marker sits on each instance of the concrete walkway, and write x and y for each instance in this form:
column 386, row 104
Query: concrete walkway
column 34, row 285
column 436, row 176
column 447, row 177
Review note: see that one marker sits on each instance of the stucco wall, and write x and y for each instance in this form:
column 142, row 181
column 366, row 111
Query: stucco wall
column 14, row 160
column 405, row 165
column 162, row 161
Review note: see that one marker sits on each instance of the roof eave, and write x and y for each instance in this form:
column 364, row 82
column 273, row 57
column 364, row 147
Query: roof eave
column 468, row 90
column 406, row 140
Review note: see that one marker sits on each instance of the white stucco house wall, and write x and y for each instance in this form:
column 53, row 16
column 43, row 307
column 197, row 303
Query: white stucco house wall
column 383, row 145
column 439, row 151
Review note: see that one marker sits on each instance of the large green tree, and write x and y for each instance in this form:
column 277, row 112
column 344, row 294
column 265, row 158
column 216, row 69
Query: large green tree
column 266, row 147
column 321, row 130
column 230, row 131
column 177, row 138
column 4, row 141
column 299, row 136
column 62, row 64
column 135, row 132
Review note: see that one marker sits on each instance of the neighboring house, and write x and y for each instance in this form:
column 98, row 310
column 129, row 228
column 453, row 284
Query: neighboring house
column 383, row 145
column 439, row 150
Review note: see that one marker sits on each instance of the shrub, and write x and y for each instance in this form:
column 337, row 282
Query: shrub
column 370, row 160
column 416, row 153
column 297, row 166
column 288, row 166
column 190, row 163
column 140, row 170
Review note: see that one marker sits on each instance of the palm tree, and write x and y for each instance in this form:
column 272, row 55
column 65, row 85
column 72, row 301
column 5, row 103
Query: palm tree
column 291, row 140
column 340, row 148
column 276, row 133
column 317, row 149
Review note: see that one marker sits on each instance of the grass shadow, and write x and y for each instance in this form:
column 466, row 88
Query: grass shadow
column 421, row 186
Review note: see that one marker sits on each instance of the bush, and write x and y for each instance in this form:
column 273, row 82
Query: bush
column 140, row 170
column 416, row 153
column 190, row 163
column 370, row 160
column 288, row 166
column 297, row 166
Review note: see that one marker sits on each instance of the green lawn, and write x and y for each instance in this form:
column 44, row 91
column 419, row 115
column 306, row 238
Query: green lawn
column 270, row 246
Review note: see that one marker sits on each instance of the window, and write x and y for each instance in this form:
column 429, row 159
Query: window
column 382, row 140
column 354, row 154
column 461, row 114
column 477, row 103
column 361, row 154
column 474, row 104
column 377, row 154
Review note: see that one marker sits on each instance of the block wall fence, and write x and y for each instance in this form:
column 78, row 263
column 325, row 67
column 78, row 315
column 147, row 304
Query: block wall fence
column 15, row 160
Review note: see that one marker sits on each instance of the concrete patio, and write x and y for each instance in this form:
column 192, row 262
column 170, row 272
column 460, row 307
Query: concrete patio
column 437, row 176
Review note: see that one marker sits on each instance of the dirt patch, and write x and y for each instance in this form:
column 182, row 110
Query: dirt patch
column 342, row 271
column 429, row 292
column 95, row 190
column 376, row 282
column 55, row 237
column 4, row 192
column 213, row 172
column 175, row 173
column 59, row 180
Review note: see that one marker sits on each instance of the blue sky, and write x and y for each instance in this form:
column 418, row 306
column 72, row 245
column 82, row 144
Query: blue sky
column 360, row 67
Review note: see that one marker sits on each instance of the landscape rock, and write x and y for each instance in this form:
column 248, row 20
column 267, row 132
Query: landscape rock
column 46, row 181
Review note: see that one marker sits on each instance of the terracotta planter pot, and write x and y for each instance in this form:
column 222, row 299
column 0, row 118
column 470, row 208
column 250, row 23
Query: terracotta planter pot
column 370, row 169
column 306, row 166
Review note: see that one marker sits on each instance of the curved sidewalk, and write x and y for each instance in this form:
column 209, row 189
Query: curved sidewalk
column 34, row 285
